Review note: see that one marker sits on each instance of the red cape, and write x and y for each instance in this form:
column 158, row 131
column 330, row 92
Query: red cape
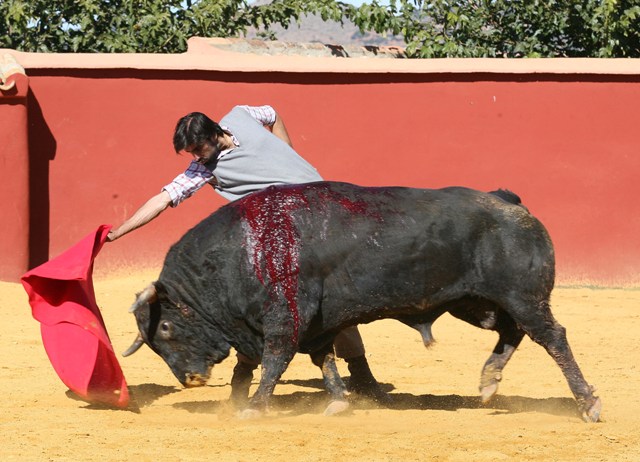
column 75, row 338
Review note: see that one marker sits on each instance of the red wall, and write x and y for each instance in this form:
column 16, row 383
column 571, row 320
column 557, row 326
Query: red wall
column 14, row 171
column 100, row 145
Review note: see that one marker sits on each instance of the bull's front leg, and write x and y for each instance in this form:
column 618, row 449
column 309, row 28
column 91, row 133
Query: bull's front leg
column 241, row 380
column 336, row 388
column 278, row 352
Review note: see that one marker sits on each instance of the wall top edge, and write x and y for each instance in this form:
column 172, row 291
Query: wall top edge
column 218, row 54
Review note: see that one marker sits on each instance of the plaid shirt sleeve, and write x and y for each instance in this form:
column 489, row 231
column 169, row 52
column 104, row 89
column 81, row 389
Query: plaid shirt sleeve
column 184, row 185
column 266, row 115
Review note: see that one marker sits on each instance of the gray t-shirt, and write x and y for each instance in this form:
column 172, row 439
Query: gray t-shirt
column 260, row 160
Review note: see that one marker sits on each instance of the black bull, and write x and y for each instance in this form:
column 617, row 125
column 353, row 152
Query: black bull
column 285, row 269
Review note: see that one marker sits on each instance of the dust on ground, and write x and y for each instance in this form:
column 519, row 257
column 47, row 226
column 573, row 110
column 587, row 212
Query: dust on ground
column 436, row 416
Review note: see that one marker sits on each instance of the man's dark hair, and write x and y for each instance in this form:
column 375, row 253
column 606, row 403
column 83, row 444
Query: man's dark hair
column 193, row 130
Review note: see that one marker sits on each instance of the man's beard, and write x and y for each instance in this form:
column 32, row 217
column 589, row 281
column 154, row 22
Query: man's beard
column 213, row 160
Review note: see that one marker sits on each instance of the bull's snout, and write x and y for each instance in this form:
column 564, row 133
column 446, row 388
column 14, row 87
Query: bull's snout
column 195, row 380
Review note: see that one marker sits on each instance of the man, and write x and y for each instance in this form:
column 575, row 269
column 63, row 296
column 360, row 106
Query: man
column 249, row 150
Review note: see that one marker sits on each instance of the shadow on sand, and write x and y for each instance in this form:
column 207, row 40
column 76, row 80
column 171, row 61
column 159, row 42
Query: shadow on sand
column 145, row 394
column 140, row 396
column 499, row 404
column 314, row 402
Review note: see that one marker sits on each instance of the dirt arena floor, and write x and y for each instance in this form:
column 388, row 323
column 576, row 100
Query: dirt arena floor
column 436, row 415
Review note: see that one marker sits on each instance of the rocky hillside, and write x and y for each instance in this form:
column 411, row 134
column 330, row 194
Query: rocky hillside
column 313, row 29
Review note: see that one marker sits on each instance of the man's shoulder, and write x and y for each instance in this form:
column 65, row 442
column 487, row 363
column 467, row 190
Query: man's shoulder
column 238, row 118
column 235, row 113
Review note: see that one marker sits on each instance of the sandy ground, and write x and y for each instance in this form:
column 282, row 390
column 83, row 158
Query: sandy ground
column 436, row 416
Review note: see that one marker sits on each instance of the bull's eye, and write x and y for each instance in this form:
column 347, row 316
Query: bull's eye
column 165, row 329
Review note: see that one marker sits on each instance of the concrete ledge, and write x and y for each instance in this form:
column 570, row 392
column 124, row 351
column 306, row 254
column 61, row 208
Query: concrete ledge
column 233, row 55
column 13, row 79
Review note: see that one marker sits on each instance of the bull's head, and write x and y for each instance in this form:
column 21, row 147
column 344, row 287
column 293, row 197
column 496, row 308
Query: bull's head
column 188, row 344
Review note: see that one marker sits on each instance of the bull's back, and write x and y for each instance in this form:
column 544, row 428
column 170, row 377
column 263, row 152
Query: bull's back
column 373, row 248
column 337, row 245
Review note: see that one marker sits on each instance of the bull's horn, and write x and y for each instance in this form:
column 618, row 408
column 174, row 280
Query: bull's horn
column 135, row 346
column 148, row 295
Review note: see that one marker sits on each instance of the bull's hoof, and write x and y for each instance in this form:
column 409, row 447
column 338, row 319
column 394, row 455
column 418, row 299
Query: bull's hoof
column 336, row 407
column 592, row 414
column 488, row 392
column 249, row 414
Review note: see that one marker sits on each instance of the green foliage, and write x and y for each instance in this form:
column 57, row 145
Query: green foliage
column 440, row 28
column 509, row 28
column 155, row 26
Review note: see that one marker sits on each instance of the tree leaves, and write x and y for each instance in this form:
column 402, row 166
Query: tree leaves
column 509, row 28
column 439, row 28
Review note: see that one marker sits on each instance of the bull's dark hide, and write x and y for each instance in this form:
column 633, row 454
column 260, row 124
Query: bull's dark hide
column 285, row 269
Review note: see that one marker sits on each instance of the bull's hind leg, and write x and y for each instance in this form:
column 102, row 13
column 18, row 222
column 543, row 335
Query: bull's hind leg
column 486, row 315
column 540, row 325
column 336, row 388
column 510, row 337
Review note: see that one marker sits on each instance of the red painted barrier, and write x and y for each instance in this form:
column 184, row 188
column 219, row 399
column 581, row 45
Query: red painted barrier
column 560, row 133
column 14, row 170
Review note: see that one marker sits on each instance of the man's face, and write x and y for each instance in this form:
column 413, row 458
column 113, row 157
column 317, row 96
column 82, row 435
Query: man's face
column 204, row 152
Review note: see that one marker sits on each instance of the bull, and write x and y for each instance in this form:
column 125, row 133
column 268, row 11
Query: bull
column 285, row 269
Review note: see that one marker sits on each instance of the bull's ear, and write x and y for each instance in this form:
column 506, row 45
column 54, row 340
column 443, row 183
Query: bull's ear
column 146, row 297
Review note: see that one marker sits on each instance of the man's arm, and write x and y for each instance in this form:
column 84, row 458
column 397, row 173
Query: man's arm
column 150, row 210
column 268, row 117
column 280, row 130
